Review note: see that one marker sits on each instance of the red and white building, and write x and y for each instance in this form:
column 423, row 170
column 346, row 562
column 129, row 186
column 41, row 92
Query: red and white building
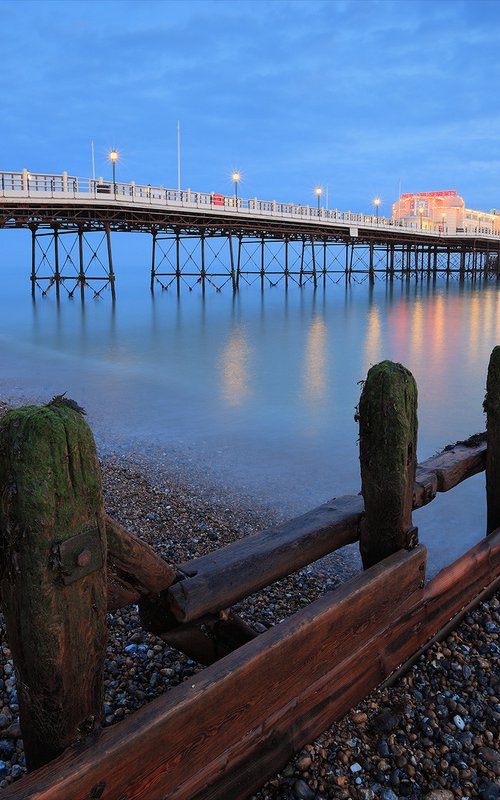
column 444, row 211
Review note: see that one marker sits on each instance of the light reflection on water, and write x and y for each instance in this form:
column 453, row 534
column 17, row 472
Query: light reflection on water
column 260, row 389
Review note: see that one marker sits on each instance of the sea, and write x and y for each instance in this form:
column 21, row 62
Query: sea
column 256, row 392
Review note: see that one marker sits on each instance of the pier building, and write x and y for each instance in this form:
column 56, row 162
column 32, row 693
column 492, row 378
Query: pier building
column 445, row 211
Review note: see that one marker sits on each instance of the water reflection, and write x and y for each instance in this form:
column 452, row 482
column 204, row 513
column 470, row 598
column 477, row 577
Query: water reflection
column 235, row 369
column 243, row 380
column 316, row 363
column 372, row 339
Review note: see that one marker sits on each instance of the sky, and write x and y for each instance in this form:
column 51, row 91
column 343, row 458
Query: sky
column 358, row 95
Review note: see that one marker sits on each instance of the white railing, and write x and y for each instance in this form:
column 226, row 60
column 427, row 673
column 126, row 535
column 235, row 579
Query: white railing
column 27, row 184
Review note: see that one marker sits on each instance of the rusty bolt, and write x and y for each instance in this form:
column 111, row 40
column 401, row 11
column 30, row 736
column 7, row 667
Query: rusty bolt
column 83, row 559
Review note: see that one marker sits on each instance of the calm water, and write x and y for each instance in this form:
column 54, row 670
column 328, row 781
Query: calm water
column 260, row 390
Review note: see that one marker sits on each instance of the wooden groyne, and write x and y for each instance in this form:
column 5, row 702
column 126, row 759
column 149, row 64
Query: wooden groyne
column 64, row 562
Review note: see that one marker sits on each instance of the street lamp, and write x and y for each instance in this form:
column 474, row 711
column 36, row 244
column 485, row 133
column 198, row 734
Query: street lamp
column 443, row 219
column 376, row 203
column 236, row 177
column 421, row 213
column 318, row 192
column 113, row 156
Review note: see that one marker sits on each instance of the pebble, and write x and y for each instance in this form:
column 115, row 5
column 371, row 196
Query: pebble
column 302, row 791
column 490, row 792
column 388, row 794
column 401, row 742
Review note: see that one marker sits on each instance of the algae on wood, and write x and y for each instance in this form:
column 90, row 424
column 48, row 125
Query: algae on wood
column 492, row 408
column 388, row 456
column 54, row 599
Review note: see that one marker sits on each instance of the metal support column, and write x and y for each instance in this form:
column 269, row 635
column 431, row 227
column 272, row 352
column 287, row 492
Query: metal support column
column 178, row 259
column 262, row 261
column 238, row 263
column 111, row 274
column 81, row 263
column 462, row 263
column 203, row 273
column 153, row 257
column 302, row 261
column 57, row 274
column 315, row 279
column 33, row 260
column 372, row 273
column 286, row 261
column 231, row 255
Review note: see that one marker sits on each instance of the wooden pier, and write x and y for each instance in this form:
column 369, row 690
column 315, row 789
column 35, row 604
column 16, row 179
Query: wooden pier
column 210, row 240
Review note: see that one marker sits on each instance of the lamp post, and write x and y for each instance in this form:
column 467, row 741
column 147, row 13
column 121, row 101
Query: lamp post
column 443, row 219
column 113, row 156
column 318, row 192
column 376, row 203
column 236, row 177
column 421, row 213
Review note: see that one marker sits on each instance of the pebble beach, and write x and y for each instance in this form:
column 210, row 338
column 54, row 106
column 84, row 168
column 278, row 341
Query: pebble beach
column 434, row 734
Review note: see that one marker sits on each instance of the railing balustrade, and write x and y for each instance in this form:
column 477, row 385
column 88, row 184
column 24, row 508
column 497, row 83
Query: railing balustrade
column 27, row 184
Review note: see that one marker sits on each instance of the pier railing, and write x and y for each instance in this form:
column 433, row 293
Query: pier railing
column 27, row 184
column 220, row 734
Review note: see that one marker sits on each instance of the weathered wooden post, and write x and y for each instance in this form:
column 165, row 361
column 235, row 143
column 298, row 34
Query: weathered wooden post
column 492, row 408
column 53, row 582
column 388, row 456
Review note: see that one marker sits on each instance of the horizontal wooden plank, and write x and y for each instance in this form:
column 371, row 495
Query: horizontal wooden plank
column 240, row 770
column 446, row 470
column 444, row 632
column 221, row 578
column 180, row 744
column 224, row 577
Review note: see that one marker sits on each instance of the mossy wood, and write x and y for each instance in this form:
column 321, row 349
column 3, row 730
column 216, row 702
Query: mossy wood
column 53, row 586
column 388, row 455
column 492, row 408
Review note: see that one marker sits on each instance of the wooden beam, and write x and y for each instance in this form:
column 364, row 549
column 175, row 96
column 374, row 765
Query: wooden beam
column 388, row 457
column 211, row 641
column 136, row 571
column 444, row 471
column 492, row 408
column 220, row 579
column 53, row 550
column 293, row 679
column 134, row 568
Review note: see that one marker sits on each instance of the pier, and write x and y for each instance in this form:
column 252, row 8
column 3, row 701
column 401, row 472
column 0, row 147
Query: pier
column 213, row 239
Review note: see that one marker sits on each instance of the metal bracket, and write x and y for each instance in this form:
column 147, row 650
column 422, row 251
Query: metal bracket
column 411, row 538
column 80, row 556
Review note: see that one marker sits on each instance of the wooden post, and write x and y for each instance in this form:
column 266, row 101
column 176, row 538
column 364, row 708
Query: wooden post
column 53, row 579
column 492, row 409
column 388, row 456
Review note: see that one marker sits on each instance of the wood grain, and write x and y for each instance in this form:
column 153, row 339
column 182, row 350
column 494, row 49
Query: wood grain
column 181, row 743
column 135, row 570
column 387, row 414
column 221, row 578
column 492, row 408
column 444, row 471
column 51, row 515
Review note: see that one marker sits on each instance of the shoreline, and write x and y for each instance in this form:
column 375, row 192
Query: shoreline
column 378, row 750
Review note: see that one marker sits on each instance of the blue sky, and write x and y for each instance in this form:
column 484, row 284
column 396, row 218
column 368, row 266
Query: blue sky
column 356, row 95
